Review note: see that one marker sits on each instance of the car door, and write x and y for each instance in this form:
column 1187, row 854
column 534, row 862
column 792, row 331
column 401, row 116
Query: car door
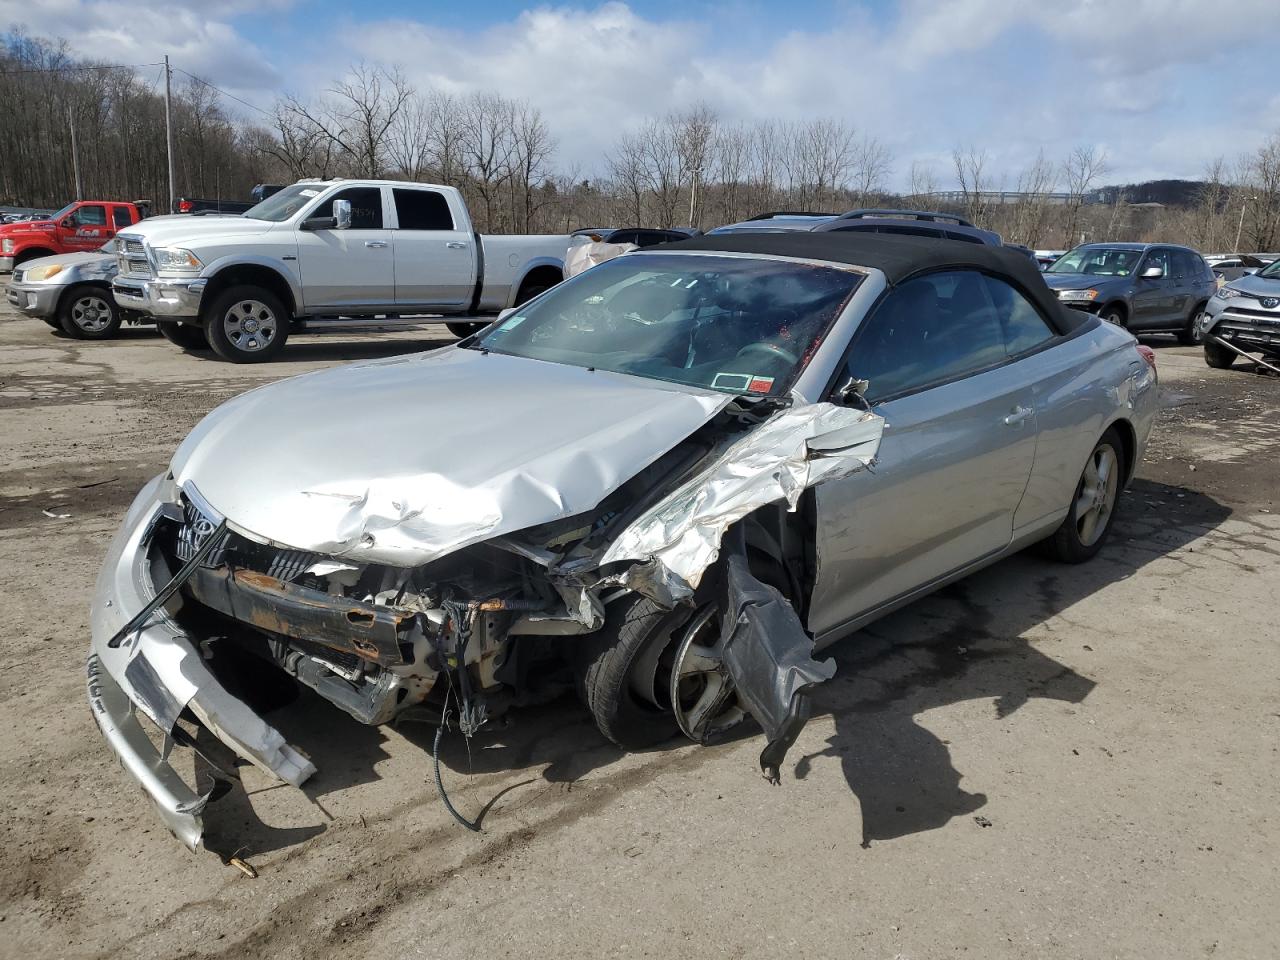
column 435, row 262
column 1199, row 281
column 954, row 460
column 1153, row 297
column 353, row 267
column 85, row 228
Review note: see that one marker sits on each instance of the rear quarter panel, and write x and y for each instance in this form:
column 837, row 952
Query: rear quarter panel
column 1085, row 384
column 508, row 260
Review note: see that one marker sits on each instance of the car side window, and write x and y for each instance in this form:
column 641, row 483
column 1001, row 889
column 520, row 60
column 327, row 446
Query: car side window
column 366, row 207
column 121, row 217
column 1158, row 258
column 91, row 216
column 421, row 210
column 930, row 329
column 1024, row 328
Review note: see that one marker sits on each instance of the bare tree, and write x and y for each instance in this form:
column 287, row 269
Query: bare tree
column 972, row 175
column 869, row 166
column 1080, row 172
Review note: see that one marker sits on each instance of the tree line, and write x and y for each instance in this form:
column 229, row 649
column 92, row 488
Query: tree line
column 687, row 167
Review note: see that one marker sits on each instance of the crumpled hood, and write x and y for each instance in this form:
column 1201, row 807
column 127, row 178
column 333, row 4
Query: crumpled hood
column 180, row 230
column 1077, row 281
column 401, row 461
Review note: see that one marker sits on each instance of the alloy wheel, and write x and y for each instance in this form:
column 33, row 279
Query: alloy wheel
column 91, row 313
column 250, row 325
column 1096, row 498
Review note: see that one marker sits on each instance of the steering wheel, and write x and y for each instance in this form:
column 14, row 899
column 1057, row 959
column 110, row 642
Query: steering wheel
column 769, row 350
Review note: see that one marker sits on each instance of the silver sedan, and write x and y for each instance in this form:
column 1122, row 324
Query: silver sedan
column 667, row 482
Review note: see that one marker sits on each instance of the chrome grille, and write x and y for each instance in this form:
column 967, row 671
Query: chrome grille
column 131, row 258
column 285, row 565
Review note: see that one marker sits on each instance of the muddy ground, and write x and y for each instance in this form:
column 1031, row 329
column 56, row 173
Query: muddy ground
column 1040, row 761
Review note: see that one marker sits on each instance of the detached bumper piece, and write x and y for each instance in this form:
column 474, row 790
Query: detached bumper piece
column 768, row 654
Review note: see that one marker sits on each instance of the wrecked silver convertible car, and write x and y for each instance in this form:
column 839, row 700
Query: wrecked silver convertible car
column 666, row 482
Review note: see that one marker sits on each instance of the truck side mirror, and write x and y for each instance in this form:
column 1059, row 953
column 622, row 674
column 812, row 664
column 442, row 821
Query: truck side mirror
column 342, row 214
column 852, row 393
column 69, row 221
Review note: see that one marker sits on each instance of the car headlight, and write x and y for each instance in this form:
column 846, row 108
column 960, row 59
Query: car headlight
column 6, row 246
column 1078, row 295
column 1227, row 293
column 43, row 273
column 176, row 260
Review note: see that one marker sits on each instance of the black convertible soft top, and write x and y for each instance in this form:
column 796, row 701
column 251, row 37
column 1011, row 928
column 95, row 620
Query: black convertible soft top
column 898, row 257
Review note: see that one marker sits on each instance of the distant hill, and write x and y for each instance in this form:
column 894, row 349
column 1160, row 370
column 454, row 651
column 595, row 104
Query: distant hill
column 1171, row 193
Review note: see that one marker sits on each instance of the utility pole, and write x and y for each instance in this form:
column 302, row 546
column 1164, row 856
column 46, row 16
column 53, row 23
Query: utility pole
column 168, row 129
column 75, row 155
column 1240, row 225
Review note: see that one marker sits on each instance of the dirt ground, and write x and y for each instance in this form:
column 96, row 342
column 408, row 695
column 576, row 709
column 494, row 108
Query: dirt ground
column 1039, row 761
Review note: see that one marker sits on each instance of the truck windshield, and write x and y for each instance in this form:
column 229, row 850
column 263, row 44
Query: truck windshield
column 1097, row 261
column 735, row 324
column 282, row 205
column 64, row 211
column 1271, row 270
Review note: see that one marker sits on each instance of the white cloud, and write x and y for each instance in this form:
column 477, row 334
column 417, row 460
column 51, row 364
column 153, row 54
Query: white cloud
column 1163, row 84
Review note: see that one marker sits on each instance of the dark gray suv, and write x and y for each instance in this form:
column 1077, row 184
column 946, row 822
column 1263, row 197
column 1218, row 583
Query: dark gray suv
column 1147, row 287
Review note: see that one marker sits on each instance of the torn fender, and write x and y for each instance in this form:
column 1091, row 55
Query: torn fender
column 799, row 447
column 768, row 655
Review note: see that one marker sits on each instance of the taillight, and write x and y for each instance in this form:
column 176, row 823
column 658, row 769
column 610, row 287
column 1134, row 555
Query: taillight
column 184, row 206
column 1148, row 355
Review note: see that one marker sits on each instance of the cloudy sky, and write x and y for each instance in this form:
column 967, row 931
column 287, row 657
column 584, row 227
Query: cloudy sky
column 1161, row 85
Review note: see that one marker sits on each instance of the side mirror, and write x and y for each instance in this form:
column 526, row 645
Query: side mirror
column 853, row 393
column 1153, row 272
column 342, row 214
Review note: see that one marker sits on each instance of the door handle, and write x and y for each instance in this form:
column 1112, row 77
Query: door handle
column 379, row 244
column 1018, row 415
column 456, row 245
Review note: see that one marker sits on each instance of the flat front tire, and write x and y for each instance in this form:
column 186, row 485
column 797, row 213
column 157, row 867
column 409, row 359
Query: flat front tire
column 1093, row 508
column 247, row 325
column 1218, row 356
column 88, row 313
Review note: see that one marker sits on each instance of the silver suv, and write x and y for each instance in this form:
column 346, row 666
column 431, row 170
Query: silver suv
column 1144, row 287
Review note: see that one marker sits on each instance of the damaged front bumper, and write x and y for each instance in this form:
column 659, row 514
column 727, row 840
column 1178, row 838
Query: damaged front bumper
column 157, row 672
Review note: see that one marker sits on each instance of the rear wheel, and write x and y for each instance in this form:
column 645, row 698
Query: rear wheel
column 188, row 336
column 88, row 313
column 1093, row 508
column 460, row 329
column 1218, row 356
column 1189, row 335
column 246, row 325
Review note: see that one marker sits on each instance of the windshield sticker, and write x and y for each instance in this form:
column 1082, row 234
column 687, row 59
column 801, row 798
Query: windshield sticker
column 511, row 323
column 309, row 193
column 742, row 383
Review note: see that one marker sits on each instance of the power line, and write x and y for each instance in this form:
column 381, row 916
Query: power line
column 221, row 91
column 100, row 66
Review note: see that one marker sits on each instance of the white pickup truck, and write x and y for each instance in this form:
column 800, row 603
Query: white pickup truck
column 325, row 249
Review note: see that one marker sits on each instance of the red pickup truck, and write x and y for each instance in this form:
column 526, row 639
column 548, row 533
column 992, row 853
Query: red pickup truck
column 82, row 225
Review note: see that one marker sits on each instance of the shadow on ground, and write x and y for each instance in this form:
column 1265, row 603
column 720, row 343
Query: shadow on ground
column 965, row 642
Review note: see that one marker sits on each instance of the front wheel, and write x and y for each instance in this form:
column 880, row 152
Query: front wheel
column 246, row 325
column 89, row 313
column 1093, row 508
column 1114, row 315
column 185, row 335
column 1218, row 356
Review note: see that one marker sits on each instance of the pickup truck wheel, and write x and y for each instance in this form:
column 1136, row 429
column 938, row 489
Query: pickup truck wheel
column 188, row 336
column 1093, row 508
column 247, row 325
column 1218, row 356
column 88, row 313
column 460, row 330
